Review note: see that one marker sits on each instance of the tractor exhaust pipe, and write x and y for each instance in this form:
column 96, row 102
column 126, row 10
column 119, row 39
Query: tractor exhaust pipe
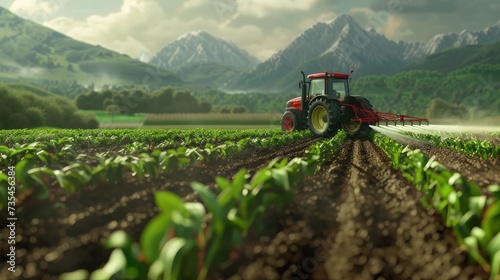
column 303, row 87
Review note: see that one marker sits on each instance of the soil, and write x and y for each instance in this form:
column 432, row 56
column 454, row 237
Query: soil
column 356, row 218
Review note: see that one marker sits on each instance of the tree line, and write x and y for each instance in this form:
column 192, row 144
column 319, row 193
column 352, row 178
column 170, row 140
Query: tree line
column 165, row 100
column 24, row 109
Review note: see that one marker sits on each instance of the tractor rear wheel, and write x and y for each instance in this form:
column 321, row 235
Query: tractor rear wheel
column 290, row 121
column 357, row 129
column 324, row 118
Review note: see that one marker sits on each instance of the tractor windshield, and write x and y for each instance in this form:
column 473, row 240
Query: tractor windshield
column 317, row 87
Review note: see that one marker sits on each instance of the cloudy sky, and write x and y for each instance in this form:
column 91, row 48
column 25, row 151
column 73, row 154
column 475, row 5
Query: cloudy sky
column 262, row 27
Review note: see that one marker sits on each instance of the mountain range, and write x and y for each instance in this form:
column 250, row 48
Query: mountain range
column 336, row 45
column 341, row 44
column 32, row 51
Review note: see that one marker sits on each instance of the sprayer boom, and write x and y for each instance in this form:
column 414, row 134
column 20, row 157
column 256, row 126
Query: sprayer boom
column 375, row 117
column 398, row 118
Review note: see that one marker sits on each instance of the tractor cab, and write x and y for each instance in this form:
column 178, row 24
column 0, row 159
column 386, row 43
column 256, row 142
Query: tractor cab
column 334, row 85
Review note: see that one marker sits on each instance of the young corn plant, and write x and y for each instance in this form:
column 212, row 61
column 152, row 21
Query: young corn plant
column 187, row 239
column 474, row 218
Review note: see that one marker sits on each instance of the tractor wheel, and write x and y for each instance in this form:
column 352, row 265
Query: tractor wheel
column 290, row 121
column 356, row 129
column 324, row 118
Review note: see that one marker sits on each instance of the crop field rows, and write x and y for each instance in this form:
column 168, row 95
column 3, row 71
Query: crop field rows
column 266, row 205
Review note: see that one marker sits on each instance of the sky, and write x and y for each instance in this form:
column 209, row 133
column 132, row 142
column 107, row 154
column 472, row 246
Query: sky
column 262, row 27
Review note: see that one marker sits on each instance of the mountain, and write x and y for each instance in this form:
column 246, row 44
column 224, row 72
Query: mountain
column 340, row 44
column 326, row 46
column 446, row 41
column 201, row 47
column 456, row 58
column 32, row 52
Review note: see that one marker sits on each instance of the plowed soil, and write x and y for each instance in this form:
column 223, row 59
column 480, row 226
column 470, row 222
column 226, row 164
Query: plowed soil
column 355, row 219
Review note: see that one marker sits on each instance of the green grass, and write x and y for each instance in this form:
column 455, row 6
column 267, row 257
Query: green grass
column 104, row 117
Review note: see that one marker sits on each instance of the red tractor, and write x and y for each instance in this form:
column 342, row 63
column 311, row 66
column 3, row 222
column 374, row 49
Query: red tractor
column 326, row 106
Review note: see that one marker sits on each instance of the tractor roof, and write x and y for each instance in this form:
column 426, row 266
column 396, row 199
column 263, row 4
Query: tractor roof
column 323, row 75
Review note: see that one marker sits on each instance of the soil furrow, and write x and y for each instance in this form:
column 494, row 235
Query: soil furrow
column 391, row 235
column 371, row 225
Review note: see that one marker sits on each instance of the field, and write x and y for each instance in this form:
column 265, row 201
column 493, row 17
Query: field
column 213, row 119
column 250, row 204
column 104, row 118
column 188, row 121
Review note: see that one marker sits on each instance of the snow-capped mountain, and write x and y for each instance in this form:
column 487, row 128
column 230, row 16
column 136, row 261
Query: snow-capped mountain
column 441, row 42
column 340, row 44
column 200, row 46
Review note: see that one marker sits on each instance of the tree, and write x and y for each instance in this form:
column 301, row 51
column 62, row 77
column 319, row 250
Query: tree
column 35, row 116
column 205, row 106
column 161, row 100
column 239, row 109
column 184, row 102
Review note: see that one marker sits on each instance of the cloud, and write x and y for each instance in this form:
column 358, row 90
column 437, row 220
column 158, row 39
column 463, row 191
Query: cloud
column 420, row 20
column 262, row 8
column 30, row 7
column 416, row 7
column 37, row 10
column 261, row 27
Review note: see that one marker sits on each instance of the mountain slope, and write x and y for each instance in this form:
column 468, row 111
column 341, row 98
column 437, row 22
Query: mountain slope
column 201, row 47
column 209, row 74
column 30, row 50
column 452, row 59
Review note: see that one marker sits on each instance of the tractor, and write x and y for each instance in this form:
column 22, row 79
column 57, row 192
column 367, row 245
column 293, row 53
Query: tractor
column 326, row 106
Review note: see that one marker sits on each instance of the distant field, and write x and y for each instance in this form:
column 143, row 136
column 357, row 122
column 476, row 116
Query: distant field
column 104, row 118
column 204, row 120
column 187, row 121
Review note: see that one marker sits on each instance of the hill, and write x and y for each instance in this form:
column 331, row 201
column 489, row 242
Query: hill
column 209, row 74
column 33, row 52
column 24, row 106
column 452, row 59
column 411, row 92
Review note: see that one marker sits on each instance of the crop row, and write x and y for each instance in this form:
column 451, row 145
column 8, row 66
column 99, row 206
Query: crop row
column 474, row 147
column 97, row 137
column 473, row 216
column 64, row 149
column 34, row 174
column 187, row 239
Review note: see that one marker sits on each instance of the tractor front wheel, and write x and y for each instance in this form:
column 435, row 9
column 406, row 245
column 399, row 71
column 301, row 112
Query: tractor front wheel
column 290, row 121
column 324, row 118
